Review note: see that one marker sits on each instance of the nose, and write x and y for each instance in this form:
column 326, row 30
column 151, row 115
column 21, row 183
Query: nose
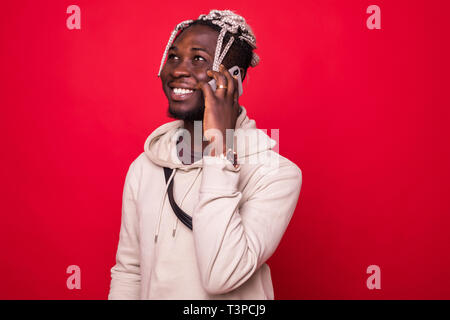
column 181, row 70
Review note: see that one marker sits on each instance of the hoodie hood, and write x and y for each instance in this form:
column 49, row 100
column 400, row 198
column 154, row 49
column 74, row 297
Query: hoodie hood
column 160, row 147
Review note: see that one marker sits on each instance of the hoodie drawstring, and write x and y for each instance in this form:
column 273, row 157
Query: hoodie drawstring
column 162, row 205
column 175, row 223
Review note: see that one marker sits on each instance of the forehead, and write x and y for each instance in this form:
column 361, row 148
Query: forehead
column 197, row 36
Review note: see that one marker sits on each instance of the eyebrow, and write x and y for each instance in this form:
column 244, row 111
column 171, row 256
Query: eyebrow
column 192, row 49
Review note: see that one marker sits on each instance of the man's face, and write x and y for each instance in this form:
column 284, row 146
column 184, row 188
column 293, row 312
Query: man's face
column 190, row 56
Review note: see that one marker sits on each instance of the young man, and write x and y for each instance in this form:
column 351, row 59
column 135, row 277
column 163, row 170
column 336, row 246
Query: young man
column 201, row 217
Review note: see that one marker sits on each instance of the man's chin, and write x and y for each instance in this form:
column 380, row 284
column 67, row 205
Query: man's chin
column 195, row 114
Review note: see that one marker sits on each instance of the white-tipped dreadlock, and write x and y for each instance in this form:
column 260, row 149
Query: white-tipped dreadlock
column 229, row 22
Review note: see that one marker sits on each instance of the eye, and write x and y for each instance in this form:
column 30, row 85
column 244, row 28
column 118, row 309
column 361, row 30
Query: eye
column 199, row 57
column 171, row 56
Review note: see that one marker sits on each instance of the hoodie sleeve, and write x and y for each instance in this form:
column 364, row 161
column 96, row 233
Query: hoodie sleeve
column 126, row 275
column 233, row 240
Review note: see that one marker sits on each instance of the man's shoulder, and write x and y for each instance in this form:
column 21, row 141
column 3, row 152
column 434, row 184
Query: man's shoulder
column 270, row 160
column 269, row 166
column 141, row 164
column 141, row 160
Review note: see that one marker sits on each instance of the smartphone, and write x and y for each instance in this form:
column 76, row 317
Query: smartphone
column 235, row 72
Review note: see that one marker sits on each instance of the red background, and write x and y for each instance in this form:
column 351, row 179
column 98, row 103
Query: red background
column 364, row 114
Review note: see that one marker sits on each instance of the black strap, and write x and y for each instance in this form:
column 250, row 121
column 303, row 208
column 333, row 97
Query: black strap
column 183, row 216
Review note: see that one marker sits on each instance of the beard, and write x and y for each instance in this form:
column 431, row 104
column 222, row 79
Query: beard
column 192, row 115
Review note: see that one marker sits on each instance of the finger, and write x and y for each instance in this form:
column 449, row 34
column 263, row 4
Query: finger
column 236, row 91
column 208, row 92
column 236, row 85
column 236, row 95
column 221, row 81
column 230, row 81
column 236, row 99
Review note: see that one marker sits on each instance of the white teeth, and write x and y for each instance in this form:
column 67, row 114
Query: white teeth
column 182, row 91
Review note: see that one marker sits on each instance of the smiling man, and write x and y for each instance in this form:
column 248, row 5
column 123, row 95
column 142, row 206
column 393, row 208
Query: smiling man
column 201, row 214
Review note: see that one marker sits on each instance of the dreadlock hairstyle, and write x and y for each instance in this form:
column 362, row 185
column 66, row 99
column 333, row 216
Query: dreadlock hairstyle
column 233, row 30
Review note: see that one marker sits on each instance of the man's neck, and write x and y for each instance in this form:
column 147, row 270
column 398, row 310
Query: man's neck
column 198, row 143
column 195, row 129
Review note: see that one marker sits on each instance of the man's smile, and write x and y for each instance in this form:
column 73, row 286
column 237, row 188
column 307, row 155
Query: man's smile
column 179, row 94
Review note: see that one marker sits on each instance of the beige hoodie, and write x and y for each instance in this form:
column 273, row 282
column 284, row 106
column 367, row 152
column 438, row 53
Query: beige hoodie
column 238, row 215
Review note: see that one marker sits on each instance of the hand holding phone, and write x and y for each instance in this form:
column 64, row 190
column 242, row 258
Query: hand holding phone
column 221, row 106
column 235, row 72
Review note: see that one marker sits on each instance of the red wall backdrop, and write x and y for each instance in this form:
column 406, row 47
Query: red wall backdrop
column 364, row 113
